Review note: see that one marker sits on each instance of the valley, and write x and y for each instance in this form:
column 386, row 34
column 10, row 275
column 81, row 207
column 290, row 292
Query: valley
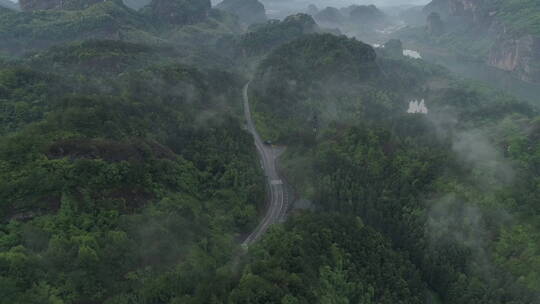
column 267, row 151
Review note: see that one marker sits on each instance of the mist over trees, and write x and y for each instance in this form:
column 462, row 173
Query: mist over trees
column 127, row 173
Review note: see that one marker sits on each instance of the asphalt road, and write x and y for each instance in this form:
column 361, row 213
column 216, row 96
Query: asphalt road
column 278, row 197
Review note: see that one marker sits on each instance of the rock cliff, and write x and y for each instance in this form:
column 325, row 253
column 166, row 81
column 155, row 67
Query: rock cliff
column 441, row 7
column 471, row 9
column 517, row 54
column 514, row 51
column 435, row 25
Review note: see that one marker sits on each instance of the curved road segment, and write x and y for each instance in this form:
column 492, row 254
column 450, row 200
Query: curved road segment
column 278, row 197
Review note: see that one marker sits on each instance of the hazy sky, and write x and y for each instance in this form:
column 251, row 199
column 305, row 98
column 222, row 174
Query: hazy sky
column 376, row 2
column 380, row 2
column 347, row 2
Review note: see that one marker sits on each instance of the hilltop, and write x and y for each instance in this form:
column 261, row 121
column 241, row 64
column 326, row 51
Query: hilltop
column 248, row 11
column 129, row 172
column 262, row 38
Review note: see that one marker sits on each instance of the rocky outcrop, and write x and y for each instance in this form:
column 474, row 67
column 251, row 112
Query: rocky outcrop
column 180, row 12
column 516, row 52
column 472, row 10
column 32, row 5
column 441, row 7
column 249, row 11
column 435, row 25
column 520, row 56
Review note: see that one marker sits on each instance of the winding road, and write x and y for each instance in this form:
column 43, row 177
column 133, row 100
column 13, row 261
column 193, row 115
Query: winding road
column 278, row 195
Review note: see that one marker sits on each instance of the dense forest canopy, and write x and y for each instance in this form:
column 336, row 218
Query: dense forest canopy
column 129, row 173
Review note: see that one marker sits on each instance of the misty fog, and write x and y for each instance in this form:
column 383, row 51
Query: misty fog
column 371, row 151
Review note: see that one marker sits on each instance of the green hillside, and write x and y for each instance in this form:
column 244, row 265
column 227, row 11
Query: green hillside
column 522, row 16
column 128, row 173
column 435, row 185
column 262, row 38
column 129, row 168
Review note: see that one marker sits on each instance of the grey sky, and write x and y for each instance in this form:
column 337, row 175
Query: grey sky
column 348, row 2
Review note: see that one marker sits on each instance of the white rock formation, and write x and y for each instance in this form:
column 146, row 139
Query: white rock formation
column 416, row 106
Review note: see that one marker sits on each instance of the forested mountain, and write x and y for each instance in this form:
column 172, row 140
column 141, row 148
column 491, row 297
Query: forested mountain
column 32, row 5
column 137, row 4
column 352, row 18
column 262, row 38
column 446, row 187
column 111, row 175
column 180, row 12
column 130, row 171
column 248, row 11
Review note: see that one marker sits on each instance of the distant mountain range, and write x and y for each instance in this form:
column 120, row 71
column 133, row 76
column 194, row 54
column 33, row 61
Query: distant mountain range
column 135, row 4
column 9, row 4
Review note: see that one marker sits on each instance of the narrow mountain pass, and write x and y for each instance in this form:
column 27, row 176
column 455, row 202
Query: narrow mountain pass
column 278, row 197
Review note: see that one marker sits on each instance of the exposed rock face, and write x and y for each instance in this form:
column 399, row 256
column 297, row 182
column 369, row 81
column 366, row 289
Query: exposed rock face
column 249, row 11
column 513, row 52
column 180, row 11
column 442, row 7
column 518, row 55
column 435, row 25
column 471, row 9
column 32, row 5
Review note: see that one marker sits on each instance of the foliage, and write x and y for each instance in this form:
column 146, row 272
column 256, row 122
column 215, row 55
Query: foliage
column 327, row 258
column 262, row 38
column 128, row 177
column 522, row 16
column 105, row 193
column 435, row 185
column 248, row 11
column 179, row 11
column 28, row 30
